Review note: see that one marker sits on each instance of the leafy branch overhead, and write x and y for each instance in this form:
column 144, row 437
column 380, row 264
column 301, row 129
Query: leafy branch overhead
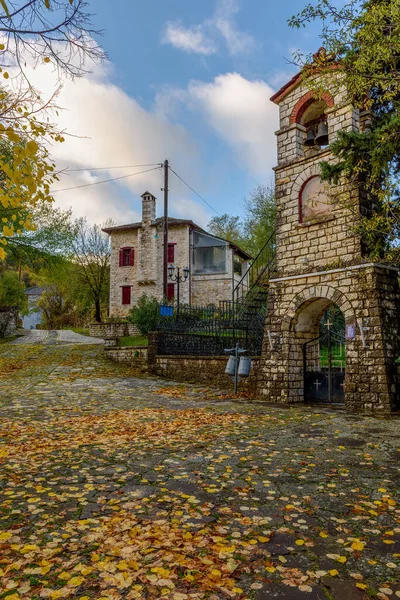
column 52, row 31
column 57, row 31
column 364, row 39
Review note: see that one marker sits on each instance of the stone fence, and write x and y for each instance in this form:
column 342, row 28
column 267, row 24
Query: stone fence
column 113, row 330
column 8, row 321
column 136, row 356
column 207, row 370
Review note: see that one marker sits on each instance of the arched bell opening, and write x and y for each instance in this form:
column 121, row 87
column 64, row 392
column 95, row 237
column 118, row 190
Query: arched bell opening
column 317, row 353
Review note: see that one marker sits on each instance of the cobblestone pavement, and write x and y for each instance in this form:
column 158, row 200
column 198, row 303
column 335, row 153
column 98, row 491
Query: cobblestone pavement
column 118, row 487
column 36, row 336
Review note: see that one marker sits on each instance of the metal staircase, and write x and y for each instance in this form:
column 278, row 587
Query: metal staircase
column 246, row 312
column 208, row 331
column 250, row 294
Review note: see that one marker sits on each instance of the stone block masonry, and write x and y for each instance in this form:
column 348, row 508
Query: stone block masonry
column 135, row 356
column 207, row 370
column 368, row 296
column 113, row 330
column 322, row 262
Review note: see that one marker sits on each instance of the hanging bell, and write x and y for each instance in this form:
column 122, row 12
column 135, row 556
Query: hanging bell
column 310, row 139
column 322, row 138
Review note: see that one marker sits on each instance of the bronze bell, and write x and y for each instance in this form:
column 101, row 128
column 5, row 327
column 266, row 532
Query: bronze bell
column 310, row 138
column 322, row 138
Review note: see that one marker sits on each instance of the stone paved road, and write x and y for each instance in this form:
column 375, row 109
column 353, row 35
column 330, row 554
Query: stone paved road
column 36, row 336
column 114, row 486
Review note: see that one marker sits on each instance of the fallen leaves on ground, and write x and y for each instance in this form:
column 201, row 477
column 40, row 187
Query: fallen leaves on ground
column 110, row 492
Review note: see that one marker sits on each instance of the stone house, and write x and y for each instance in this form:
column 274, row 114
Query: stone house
column 136, row 267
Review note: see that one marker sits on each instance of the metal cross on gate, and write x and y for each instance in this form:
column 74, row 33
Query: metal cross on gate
column 317, row 384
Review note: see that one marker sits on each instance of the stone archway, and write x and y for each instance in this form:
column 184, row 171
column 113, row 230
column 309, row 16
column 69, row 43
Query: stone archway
column 301, row 326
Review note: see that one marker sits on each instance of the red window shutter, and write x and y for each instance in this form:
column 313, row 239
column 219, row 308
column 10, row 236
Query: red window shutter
column 170, row 291
column 171, row 253
column 121, row 257
column 126, row 294
column 132, row 257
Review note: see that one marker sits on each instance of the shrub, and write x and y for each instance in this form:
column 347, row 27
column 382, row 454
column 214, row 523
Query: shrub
column 144, row 314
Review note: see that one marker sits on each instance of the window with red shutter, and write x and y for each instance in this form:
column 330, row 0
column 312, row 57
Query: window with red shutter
column 171, row 291
column 126, row 294
column 126, row 257
column 171, row 253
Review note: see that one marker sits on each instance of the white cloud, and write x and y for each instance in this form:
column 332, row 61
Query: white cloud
column 237, row 42
column 189, row 39
column 203, row 38
column 114, row 130
column 239, row 111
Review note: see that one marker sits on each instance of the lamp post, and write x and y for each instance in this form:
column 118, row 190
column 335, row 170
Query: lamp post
column 179, row 279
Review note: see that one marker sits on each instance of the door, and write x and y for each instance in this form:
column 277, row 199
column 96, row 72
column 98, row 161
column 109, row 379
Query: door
column 324, row 363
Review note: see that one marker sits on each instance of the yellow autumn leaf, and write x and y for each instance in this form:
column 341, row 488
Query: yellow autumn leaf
column 299, row 542
column 342, row 559
column 358, row 545
column 75, row 581
column 215, row 574
column 5, row 536
column 270, row 569
column 323, row 534
column 333, row 572
column 361, row 586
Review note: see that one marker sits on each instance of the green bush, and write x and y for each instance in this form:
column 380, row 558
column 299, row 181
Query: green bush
column 12, row 291
column 144, row 314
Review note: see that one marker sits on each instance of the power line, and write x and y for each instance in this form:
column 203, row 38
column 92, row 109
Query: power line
column 105, row 181
column 194, row 191
column 68, row 170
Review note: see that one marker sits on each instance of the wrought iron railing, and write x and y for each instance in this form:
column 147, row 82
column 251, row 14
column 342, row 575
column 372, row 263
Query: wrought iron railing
column 258, row 272
column 207, row 331
column 198, row 330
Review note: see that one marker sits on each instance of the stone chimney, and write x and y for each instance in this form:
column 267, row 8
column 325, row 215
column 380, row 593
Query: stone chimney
column 147, row 243
column 148, row 208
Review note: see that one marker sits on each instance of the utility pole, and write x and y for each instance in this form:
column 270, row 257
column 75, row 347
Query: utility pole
column 165, row 254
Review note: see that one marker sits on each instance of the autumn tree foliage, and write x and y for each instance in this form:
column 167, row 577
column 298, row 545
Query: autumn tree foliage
column 52, row 31
column 26, row 170
column 363, row 38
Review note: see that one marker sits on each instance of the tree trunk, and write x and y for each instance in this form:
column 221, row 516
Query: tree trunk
column 97, row 315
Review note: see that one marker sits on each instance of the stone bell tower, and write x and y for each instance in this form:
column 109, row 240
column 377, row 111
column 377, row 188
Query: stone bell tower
column 321, row 261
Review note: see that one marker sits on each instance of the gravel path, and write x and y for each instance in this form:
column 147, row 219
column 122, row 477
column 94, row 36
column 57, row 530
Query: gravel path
column 37, row 336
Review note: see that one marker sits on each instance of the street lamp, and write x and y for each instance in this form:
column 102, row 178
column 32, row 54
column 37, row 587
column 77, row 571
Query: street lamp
column 179, row 279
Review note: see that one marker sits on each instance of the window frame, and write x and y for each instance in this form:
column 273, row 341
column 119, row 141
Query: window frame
column 123, row 252
column 125, row 288
column 171, row 248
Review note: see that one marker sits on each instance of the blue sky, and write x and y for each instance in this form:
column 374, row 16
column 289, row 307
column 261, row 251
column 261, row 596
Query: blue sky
column 188, row 81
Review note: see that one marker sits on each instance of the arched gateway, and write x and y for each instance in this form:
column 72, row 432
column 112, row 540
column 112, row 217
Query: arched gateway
column 321, row 266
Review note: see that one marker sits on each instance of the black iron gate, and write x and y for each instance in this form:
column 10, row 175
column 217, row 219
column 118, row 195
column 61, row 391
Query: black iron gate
column 324, row 361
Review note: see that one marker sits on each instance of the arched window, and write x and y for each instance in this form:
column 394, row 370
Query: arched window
column 310, row 111
column 314, row 201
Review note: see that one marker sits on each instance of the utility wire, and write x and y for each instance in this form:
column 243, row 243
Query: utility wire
column 104, row 181
column 194, row 191
column 68, row 170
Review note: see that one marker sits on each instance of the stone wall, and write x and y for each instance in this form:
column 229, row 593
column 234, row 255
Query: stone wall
column 369, row 297
column 208, row 370
column 211, row 289
column 136, row 356
column 113, row 330
column 329, row 240
column 8, row 318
